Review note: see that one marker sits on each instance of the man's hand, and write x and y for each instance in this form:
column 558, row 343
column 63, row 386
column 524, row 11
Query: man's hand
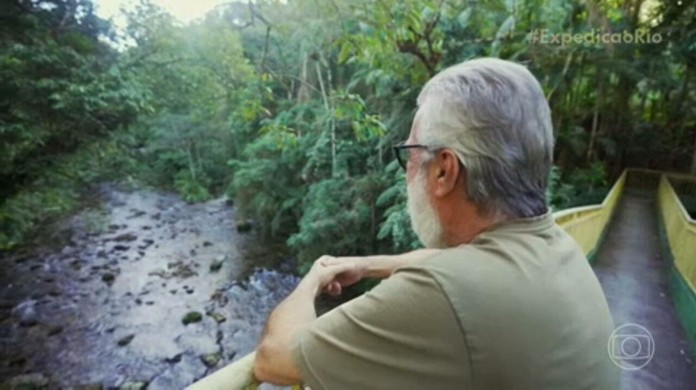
column 331, row 274
column 378, row 266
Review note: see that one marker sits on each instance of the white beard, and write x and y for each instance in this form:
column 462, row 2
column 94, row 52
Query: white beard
column 424, row 219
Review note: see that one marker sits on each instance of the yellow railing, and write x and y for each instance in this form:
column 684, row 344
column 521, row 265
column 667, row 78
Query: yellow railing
column 680, row 228
column 236, row 376
column 586, row 224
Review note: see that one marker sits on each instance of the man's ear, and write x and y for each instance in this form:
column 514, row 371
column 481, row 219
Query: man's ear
column 447, row 170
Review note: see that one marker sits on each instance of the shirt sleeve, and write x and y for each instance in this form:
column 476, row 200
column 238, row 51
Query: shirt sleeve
column 402, row 334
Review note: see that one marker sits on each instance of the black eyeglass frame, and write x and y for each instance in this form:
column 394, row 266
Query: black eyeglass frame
column 401, row 146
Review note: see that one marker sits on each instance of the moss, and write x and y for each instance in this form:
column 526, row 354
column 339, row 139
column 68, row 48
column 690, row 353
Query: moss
column 191, row 317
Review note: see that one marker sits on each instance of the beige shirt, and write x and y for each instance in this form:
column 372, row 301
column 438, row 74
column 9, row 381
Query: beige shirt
column 517, row 308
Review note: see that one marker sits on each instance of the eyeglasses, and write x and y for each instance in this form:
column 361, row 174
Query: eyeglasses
column 403, row 152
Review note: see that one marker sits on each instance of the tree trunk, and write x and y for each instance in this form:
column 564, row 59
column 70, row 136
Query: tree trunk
column 595, row 122
column 303, row 90
column 331, row 120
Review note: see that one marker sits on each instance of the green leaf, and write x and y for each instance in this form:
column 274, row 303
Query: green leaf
column 464, row 17
column 345, row 53
column 506, row 28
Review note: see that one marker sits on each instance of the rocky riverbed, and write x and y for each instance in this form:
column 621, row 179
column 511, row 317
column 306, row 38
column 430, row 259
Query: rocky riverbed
column 149, row 292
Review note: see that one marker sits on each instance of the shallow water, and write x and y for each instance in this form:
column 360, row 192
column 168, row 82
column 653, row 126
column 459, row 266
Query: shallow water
column 107, row 309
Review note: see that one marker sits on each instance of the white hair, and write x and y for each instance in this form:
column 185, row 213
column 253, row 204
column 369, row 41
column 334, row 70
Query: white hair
column 493, row 114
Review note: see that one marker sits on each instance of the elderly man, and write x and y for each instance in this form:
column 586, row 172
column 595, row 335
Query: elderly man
column 502, row 299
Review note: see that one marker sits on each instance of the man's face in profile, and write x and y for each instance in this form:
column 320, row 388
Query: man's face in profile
column 424, row 219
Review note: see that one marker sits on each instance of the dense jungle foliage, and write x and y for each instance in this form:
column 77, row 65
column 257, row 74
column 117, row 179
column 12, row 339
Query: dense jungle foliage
column 291, row 107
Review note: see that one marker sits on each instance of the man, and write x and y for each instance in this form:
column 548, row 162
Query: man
column 503, row 299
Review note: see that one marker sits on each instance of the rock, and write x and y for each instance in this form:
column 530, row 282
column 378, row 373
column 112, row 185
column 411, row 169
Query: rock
column 217, row 264
column 244, row 226
column 136, row 213
column 133, row 386
column 219, row 318
column 179, row 376
column 158, row 272
column 29, row 382
column 54, row 330
column 211, row 360
column 174, row 359
column 155, row 346
column 26, row 314
column 207, row 243
column 54, row 292
column 197, row 343
column 22, row 259
column 125, row 340
column 191, row 317
column 121, row 247
column 126, row 237
column 17, row 361
column 108, row 278
column 91, row 386
column 76, row 265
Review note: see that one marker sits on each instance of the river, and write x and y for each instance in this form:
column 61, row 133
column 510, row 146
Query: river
column 147, row 292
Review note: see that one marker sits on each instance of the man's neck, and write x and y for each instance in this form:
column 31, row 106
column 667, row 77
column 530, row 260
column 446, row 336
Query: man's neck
column 463, row 227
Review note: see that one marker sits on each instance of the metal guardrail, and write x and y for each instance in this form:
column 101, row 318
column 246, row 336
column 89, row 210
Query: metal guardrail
column 678, row 239
column 236, row 376
column 680, row 228
column 587, row 224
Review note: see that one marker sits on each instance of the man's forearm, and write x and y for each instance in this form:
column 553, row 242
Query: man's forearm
column 382, row 266
column 274, row 362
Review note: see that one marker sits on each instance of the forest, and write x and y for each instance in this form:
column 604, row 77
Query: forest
column 290, row 108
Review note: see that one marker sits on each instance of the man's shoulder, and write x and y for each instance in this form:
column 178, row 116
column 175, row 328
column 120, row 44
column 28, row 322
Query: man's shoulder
column 469, row 260
column 495, row 261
